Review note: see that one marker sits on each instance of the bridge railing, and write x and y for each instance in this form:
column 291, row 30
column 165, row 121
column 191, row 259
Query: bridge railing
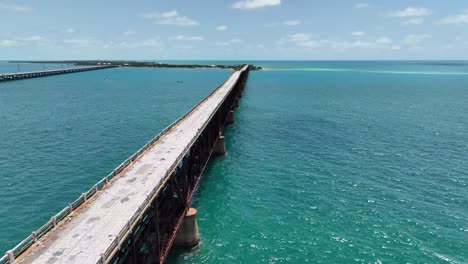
column 68, row 210
column 135, row 219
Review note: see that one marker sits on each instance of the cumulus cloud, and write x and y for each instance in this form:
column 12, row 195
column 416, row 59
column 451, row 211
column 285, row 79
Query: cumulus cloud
column 15, row 8
column 253, row 4
column 171, row 18
column 286, row 23
column 361, row 5
column 358, row 33
column 414, row 21
column 412, row 12
column 413, row 40
column 147, row 43
column 455, row 19
column 81, row 42
column 222, row 28
column 300, row 39
column 228, row 43
column 306, row 40
column 384, row 40
column 292, row 22
column 414, row 15
column 69, row 30
column 8, row 43
column 129, row 32
column 188, row 38
column 31, row 38
column 23, row 41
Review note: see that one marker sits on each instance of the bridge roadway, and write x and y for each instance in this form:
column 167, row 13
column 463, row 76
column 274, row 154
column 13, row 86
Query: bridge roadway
column 35, row 74
column 90, row 231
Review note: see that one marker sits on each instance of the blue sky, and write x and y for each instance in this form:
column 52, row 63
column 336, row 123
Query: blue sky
column 234, row 29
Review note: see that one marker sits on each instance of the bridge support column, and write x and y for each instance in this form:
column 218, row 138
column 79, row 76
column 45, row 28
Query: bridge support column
column 187, row 236
column 220, row 148
column 230, row 118
column 236, row 102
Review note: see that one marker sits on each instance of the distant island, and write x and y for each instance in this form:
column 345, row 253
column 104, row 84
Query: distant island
column 140, row 64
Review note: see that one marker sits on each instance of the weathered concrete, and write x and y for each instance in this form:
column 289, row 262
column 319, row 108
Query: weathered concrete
column 220, row 148
column 236, row 102
column 230, row 118
column 188, row 236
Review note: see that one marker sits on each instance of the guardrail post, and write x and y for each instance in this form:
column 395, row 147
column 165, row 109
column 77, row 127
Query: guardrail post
column 117, row 240
column 83, row 195
column 70, row 208
column 34, row 236
column 11, row 256
column 103, row 259
column 54, row 221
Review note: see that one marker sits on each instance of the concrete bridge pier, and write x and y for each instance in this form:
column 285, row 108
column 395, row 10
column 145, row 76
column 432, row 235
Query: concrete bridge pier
column 230, row 118
column 236, row 102
column 187, row 236
column 220, row 148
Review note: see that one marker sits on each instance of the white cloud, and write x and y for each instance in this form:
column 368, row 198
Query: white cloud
column 81, row 42
column 412, row 12
column 228, row 43
column 306, row 40
column 301, row 39
column 456, row 19
column 286, row 23
column 252, row 4
column 361, row 5
column 15, row 8
column 384, row 40
column 8, row 43
column 31, row 38
column 171, row 18
column 23, row 41
column 414, row 21
column 147, row 43
column 358, row 33
column 188, row 38
column 292, row 22
column 129, row 32
column 222, row 28
column 69, row 30
column 413, row 40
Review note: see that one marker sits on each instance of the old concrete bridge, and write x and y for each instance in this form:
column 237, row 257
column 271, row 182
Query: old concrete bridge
column 35, row 74
column 133, row 215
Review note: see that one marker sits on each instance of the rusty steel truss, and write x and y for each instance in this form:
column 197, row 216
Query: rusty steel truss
column 151, row 240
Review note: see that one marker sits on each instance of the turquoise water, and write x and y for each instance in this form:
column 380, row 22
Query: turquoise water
column 328, row 162
column 341, row 167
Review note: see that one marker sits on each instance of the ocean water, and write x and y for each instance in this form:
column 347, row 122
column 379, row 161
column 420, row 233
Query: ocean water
column 364, row 164
column 328, row 162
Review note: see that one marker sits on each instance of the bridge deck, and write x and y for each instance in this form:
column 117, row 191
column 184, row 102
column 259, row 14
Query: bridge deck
column 92, row 229
column 34, row 74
